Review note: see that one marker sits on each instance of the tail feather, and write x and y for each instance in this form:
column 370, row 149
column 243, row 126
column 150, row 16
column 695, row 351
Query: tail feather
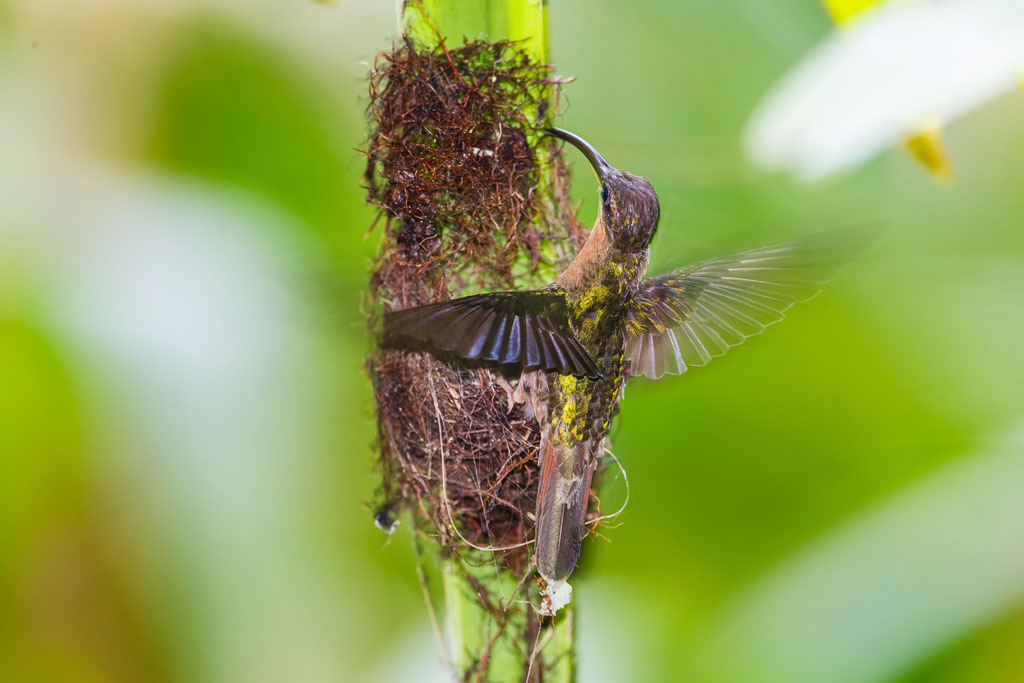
column 565, row 475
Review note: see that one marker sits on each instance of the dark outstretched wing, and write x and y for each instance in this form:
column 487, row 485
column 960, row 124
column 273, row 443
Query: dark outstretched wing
column 528, row 330
column 693, row 314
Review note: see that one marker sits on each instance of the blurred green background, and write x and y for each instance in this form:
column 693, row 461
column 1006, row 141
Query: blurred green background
column 186, row 470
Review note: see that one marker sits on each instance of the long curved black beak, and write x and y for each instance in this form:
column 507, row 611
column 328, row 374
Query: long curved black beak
column 601, row 167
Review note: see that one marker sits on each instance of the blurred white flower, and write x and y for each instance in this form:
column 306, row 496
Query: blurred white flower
column 874, row 83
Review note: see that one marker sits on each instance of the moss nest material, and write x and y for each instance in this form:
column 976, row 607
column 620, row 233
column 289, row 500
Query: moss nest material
column 473, row 197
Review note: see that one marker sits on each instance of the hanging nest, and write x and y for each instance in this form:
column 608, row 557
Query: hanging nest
column 456, row 161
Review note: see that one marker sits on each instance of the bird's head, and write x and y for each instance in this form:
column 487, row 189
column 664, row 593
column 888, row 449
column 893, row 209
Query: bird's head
column 629, row 205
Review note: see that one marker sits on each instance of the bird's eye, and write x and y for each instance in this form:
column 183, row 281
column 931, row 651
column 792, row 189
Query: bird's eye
column 604, row 194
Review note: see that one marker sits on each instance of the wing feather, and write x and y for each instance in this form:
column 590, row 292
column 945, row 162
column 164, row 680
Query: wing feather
column 529, row 330
column 691, row 315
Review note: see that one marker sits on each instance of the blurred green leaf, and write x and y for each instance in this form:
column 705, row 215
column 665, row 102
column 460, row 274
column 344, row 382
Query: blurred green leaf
column 240, row 110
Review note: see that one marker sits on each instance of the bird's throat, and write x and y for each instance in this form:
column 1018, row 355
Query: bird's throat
column 585, row 269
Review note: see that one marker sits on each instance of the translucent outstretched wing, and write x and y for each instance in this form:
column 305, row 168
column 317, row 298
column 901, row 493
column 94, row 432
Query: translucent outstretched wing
column 691, row 315
column 529, row 330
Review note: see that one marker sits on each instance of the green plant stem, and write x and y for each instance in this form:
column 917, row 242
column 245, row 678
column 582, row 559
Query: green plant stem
column 480, row 647
column 524, row 21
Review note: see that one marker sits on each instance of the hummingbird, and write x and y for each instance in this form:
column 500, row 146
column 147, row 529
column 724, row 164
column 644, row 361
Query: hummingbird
column 576, row 341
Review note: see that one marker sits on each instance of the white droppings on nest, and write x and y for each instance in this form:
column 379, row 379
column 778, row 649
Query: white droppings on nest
column 554, row 596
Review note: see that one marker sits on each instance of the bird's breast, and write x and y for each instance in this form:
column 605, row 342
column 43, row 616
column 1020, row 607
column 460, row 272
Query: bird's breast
column 580, row 408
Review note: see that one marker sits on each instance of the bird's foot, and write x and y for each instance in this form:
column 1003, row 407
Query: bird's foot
column 513, row 394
